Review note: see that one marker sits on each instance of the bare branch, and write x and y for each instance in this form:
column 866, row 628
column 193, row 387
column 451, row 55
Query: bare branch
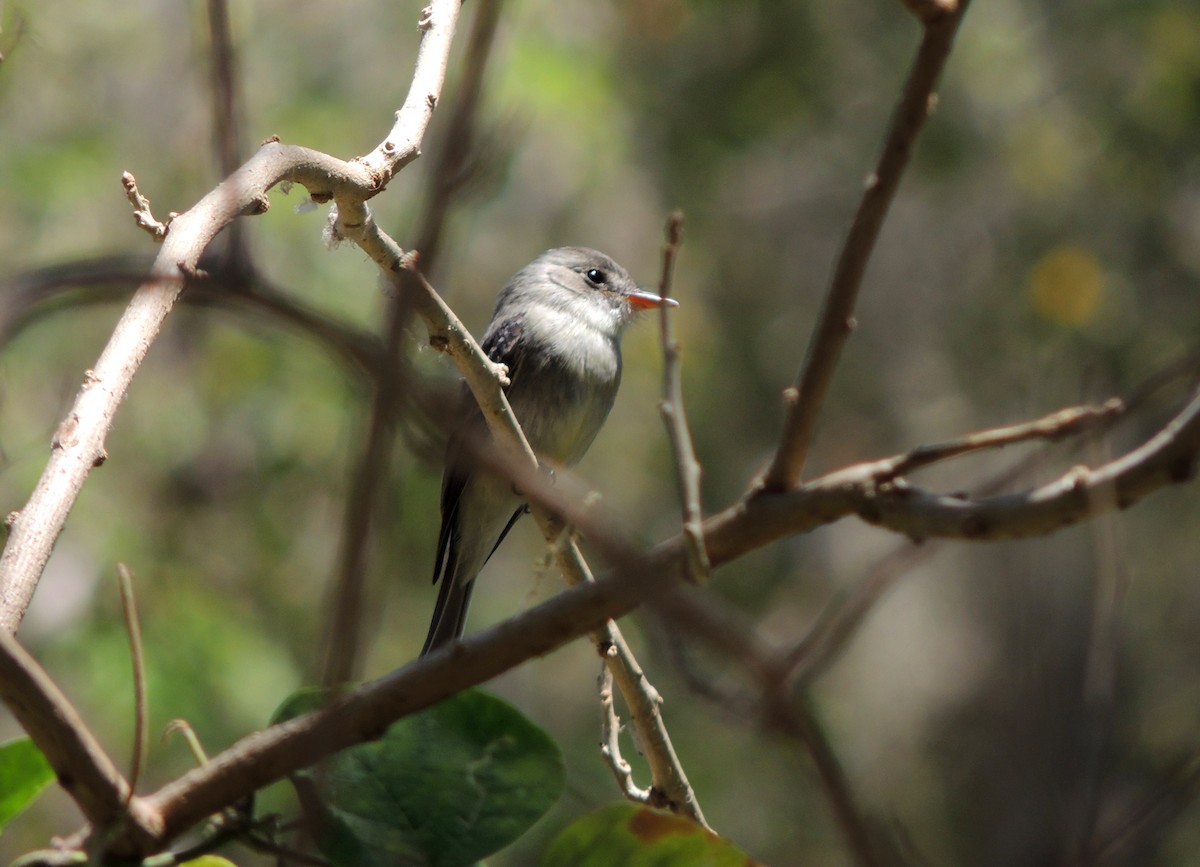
column 83, row 769
column 226, row 110
column 266, row 756
column 79, row 446
column 836, row 320
column 687, row 468
column 1169, row 457
column 141, row 722
column 610, row 745
column 79, row 443
column 226, row 114
column 1065, row 422
column 141, row 209
column 403, row 143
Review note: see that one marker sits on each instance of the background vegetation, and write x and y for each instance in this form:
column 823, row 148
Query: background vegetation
column 1001, row 701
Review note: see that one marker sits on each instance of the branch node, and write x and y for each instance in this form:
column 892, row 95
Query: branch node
column 141, row 209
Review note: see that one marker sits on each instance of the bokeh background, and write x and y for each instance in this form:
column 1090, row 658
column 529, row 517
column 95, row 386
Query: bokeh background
column 1002, row 703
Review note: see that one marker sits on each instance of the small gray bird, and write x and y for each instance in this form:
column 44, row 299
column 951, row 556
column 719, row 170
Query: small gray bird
column 558, row 328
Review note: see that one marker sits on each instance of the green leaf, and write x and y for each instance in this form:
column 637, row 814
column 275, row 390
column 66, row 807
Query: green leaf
column 208, row 861
column 626, row 835
column 24, row 772
column 443, row 788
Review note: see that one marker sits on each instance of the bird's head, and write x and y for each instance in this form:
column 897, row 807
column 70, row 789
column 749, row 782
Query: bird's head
column 583, row 282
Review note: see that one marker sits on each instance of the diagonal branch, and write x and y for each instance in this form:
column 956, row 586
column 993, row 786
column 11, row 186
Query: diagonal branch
column 342, row 645
column 82, row 767
column 1168, row 457
column 836, row 320
column 687, row 467
column 79, row 443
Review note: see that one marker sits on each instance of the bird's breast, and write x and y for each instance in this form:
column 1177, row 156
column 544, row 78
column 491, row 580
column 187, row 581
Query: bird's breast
column 566, row 387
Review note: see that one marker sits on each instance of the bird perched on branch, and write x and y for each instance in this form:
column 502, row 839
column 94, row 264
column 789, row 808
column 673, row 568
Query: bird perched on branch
column 557, row 327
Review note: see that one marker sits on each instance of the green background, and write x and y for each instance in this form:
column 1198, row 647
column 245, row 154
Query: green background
column 1044, row 250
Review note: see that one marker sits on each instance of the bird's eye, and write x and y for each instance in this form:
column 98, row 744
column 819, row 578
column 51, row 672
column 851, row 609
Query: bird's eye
column 595, row 276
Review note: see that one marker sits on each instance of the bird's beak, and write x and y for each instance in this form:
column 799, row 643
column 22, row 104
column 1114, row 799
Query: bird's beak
column 648, row 300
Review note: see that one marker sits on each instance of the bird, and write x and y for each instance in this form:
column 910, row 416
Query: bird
column 557, row 327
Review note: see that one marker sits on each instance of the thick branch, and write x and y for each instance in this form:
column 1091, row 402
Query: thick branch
column 1168, row 457
column 268, row 755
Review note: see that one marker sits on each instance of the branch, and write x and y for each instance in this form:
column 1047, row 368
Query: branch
column 1169, row 457
column 79, row 444
column 403, row 143
column 226, row 114
column 836, row 321
column 610, row 745
column 1056, row 426
column 82, row 767
column 687, row 468
column 266, row 756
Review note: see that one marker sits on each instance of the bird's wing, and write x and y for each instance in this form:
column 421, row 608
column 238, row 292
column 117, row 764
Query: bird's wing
column 502, row 344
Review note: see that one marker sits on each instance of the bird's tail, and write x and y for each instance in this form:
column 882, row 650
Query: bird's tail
column 449, row 614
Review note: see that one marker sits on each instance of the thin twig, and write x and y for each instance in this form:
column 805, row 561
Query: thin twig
column 836, row 320
column 1168, row 457
column 226, row 104
column 141, row 726
column 687, row 467
column 840, row 619
column 37, row 293
column 185, row 731
column 1057, row 425
column 403, row 142
column 610, row 744
column 141, row 209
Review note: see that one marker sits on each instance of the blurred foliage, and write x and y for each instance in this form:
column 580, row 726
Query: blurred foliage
column 443, row 787
column 24, row 772
column 1044, row 250
column 626, row 835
